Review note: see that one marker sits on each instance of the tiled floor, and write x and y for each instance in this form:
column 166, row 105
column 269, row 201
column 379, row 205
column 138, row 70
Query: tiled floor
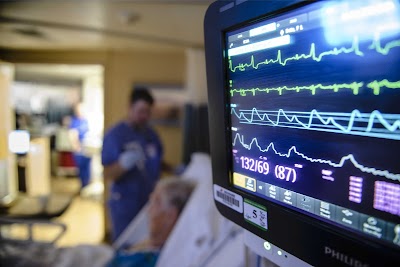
column 84, row 218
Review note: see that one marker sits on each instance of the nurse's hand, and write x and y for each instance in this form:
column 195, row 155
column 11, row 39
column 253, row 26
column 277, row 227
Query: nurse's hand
column 131, row 158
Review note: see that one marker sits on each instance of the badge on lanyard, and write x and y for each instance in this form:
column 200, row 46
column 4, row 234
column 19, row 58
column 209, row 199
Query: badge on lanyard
column 151, row 150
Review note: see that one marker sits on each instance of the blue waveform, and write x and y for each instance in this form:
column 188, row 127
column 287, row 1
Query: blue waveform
column 326, row 121
column 293, row 149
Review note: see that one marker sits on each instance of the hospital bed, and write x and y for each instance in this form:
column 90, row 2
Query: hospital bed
column 200, row 238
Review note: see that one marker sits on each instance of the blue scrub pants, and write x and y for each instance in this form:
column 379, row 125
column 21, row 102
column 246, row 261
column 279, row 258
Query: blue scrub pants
column 121, row 216
column 83, row 164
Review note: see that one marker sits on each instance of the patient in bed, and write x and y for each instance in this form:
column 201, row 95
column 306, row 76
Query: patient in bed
column 165, row 205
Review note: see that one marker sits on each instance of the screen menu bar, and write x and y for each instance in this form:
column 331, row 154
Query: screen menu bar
column 349, row 218
column 273, row 34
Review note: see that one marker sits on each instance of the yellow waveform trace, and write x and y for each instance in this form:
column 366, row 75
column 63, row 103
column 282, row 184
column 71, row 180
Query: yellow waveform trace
column 312, row 54
column 354, row 86
column 355, row 48
column 377, row 85
column 376, row 44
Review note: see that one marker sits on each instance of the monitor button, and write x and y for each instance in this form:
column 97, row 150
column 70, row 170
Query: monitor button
column 267, row 245
column 393, row 233
column 261, row 187
column 372, row 226
column 273, row 191
column 325, row 210
column 288, row 197
column 305, row 203
column 348, row 217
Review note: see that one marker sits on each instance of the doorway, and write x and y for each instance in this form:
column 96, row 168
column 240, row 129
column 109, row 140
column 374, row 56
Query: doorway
column 42, row 95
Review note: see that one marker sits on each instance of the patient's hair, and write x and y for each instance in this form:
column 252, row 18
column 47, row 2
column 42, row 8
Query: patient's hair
column 177, row 191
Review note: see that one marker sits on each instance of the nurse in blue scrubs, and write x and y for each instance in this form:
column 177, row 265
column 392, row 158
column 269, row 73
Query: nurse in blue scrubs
column 131, row 156
column 81, row 126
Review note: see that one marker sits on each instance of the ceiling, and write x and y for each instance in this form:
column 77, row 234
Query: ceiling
column 89, row 24
column 56, row 71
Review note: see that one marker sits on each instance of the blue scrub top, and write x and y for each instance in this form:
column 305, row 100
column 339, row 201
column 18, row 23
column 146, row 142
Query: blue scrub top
column 81, row 125
column 131, row 191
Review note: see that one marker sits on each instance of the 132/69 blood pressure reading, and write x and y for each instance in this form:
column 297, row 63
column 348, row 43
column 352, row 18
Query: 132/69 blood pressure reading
column 261, row 166
column 255, row 165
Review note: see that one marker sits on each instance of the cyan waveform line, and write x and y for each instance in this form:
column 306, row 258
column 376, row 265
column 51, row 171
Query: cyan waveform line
column 293, row 149
column 376, row 87
column 377, row 135
column 290, row 119
column 375, row 45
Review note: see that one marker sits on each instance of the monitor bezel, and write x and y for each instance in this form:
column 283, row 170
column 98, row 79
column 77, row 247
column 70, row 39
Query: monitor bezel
column 224, row 16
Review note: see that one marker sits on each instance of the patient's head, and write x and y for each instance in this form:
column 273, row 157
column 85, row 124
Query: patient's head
column 166, row 203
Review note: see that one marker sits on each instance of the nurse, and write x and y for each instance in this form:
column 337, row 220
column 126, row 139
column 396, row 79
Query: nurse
column 79, row 128
column 131, row 156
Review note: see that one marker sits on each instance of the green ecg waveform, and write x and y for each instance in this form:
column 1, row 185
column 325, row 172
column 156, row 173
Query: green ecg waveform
column 376, row 86
column 376, row 44
column 313, row 88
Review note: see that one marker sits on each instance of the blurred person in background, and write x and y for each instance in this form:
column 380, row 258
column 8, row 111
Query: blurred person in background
column 80, row 127
column 132, row 158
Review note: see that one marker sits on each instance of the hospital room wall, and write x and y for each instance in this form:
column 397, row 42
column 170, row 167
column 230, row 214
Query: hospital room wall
column 7, row 159
column 5, row 112
column 125, row 70
column 122, row 69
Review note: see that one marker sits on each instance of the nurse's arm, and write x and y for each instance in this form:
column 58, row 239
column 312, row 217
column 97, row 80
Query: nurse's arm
column 113, row 171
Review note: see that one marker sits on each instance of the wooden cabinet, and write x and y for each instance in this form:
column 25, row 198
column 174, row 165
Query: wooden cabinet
column 38, row 167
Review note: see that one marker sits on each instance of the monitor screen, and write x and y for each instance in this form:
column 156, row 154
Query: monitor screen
column 314, row 113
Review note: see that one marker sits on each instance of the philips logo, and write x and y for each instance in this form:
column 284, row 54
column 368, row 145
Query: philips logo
column 348, row 260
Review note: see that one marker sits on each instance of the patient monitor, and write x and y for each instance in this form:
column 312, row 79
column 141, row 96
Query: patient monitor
column 304, row 104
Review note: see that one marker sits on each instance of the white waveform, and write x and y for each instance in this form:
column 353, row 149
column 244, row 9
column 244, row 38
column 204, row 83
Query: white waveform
column 329, row 121
column 349, row 157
